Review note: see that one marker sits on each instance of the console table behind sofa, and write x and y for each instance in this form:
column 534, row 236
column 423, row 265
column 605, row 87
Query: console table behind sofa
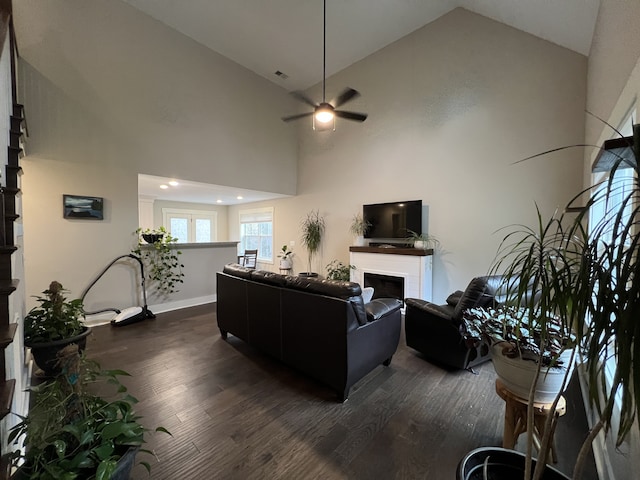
column 320, row 327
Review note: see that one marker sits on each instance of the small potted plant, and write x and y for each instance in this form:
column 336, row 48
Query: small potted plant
column 285, row 255
column 52, row 325
column 337, row 270
column 359, row 228
column 161, row 258
column 71, row 432
column 422, row 240
column 312, row 232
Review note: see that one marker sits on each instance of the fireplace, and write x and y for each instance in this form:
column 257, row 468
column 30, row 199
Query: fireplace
column 408, row 268
column 385, row 286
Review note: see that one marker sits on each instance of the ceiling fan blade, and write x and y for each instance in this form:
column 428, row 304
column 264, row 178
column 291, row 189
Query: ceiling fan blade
column 296, row 117
column 303, row 98
column 358, row 117
column 346, row 95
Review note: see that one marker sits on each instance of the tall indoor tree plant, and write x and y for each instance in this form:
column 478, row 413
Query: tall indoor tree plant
column 588, row 277
column 313, row 227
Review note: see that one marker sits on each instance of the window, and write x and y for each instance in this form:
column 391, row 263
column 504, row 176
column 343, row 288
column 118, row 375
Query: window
column 256, row 232
column 602, row 215
column 190, row 226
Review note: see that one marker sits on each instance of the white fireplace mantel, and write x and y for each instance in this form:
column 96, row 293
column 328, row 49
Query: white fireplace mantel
column 412, row 264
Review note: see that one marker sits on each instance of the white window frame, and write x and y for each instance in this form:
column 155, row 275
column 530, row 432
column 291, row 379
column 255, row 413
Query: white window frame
column 596, row 215
column 191, row 216
column 256, row 215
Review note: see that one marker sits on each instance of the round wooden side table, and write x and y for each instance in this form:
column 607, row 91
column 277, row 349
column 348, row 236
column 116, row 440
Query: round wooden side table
column 515, row 419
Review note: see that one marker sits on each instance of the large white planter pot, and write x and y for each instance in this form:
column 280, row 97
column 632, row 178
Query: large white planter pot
column 517, row 375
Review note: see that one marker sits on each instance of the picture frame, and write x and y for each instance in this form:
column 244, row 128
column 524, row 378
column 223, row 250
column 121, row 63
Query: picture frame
column 82, row 207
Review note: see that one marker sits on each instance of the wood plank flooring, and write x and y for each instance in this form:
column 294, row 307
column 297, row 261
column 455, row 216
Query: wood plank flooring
column 238, row 414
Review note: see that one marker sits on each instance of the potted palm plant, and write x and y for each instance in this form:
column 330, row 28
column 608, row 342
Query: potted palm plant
column 72, row 432
column 422, row 240
column 54, row 324
column 587, row 278
column 359, row 227
column 313, row 227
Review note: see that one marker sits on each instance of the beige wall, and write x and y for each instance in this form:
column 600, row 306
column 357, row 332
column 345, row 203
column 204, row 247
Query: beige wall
column 451, row 108
column 613, row 87
column 110, row 93
column 614, row 53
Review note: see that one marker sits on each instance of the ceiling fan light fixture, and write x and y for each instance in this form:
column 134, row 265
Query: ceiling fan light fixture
column 324, row 115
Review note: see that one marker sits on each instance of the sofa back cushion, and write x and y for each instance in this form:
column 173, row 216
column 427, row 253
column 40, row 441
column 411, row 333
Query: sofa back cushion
column 348, row 291
column 237, row 270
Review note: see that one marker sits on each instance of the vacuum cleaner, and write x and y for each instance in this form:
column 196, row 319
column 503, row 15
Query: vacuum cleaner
column 128, row 315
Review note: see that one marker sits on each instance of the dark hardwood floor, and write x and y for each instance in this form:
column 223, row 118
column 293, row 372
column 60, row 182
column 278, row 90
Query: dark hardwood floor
column 237, row 414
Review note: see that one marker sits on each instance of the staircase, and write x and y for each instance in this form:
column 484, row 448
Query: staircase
column 11, row 308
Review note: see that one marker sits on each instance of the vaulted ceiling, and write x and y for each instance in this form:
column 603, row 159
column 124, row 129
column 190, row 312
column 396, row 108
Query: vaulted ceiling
column 267, row 36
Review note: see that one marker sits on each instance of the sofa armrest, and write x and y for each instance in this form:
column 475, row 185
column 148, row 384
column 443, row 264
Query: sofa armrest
column 381, row 307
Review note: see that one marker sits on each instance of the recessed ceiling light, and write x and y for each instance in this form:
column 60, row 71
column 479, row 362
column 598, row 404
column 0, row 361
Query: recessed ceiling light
column 239, row 197
column 218, row 201
column 173, row 183
column 164, row 187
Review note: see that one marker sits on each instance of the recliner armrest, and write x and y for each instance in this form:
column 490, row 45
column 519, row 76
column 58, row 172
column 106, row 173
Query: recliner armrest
column 380, row 307
column 442, row 311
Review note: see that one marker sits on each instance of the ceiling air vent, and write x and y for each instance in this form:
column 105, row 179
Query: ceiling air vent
column 280, row 74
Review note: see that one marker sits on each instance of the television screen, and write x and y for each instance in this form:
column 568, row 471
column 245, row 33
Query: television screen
column 393, row 220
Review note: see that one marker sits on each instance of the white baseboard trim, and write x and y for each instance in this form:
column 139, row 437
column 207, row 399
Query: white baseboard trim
column 104, row 318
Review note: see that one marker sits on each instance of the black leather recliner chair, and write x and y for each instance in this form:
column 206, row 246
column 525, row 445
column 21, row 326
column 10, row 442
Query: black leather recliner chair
column 434, row 330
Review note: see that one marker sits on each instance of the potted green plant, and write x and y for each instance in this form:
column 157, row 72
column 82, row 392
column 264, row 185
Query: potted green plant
column 359, row 227
column 313, row 226
column 157, row 249
column 337, row 270
column 52, row 325
column 588, row 279
column 72, row 432
column 518, row 343
column 285, row 254
column 422, row 240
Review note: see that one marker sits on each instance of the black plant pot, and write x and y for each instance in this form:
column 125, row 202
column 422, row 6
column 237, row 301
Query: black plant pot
column 45, row 353
column 503, row 465
column 125, row 465
column 152, row 237
column 122, row 471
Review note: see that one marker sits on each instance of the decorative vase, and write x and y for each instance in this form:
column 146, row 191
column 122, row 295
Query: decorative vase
column 502, row 464
column 419, row 244
column 45, row 353
column 517, row 375
column 359, row 242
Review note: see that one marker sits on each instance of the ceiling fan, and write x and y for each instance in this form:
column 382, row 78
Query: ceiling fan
column 325, row 112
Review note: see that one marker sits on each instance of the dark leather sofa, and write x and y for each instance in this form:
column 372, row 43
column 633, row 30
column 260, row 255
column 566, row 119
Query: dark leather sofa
column 434, row 330
column 319, row 327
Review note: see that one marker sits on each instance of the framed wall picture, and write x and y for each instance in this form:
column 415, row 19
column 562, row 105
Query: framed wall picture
column 82, row 207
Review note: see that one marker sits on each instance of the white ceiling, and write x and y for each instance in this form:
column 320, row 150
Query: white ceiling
column 186, row 191
column 286, row 35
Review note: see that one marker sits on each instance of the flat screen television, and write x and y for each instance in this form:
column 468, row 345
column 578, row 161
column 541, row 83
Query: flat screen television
column 394, row 219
